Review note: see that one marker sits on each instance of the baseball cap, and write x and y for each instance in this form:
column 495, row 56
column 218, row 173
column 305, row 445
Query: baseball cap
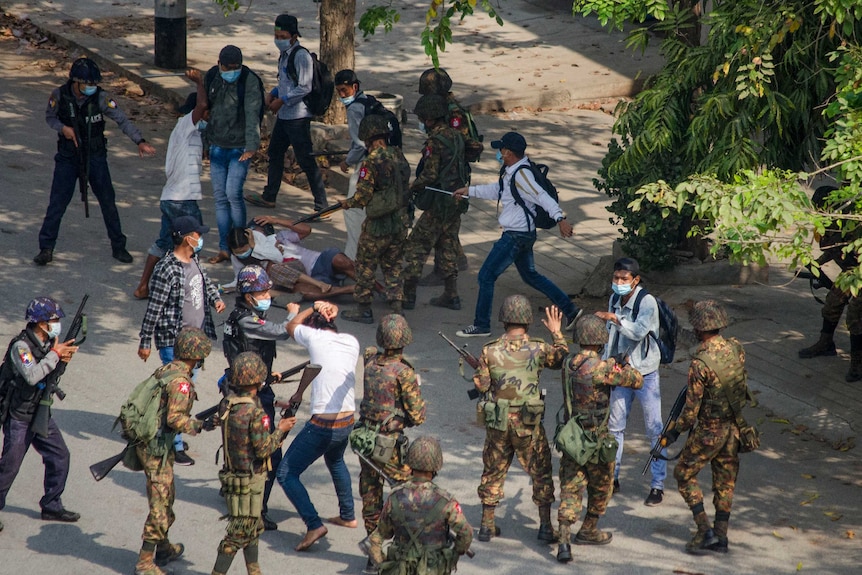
column 511, row 141
column 287, row 23
column 230, row 55
column 184, row 225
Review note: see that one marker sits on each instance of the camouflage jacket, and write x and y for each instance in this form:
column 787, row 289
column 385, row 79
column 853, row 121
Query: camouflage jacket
column 178, row 399
column 424, row 509
column 383, row 178
column 441, row 170
column 248, row 442
column 706, row 397
column 459, row 119
column 587, row 379
column 509, row 367
column 391, row 388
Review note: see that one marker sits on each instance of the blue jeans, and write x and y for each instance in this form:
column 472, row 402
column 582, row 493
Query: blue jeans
column 228, row 177
column 310, row 444
column 166, row 354
column 517, row 248
column 17, row 438
column 171, row 210
column 621, row 404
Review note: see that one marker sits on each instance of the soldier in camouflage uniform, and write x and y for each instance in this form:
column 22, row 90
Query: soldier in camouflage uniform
column 383, row 177
column 437, row 81
column 715, row 436
column 444, row 167
column 248, row 444
column 157, row 457
column 393, row 400
column 587, row 380
column 508, row 376
column 419, row 516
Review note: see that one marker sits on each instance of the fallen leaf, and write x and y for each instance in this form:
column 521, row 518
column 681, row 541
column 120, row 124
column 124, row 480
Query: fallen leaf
column 780, row 420
column 849, row 534
column 778, row 535
column 799, row 566
column 833, row 515
column 811, row 497
column 807, row 476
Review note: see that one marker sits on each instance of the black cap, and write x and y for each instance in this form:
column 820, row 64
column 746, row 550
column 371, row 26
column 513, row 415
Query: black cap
column 185, row 225
column 628, row 265
column 189, row 104
column 230, row 55
column 346, row 77
column 287, row 23
column 511, row 141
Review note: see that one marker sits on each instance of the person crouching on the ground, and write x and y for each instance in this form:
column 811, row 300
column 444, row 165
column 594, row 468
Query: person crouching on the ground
column 248, row 440
column 383, row 178
column 519, row 233
column 717, row 389
column 508, row 376
column 183, row 172
column 587, row 382
column 332, row 408
column 157, row 457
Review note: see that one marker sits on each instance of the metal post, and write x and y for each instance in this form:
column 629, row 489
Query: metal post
column 170, row 34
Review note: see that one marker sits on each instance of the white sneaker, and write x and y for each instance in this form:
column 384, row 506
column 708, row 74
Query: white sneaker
column 473, row 331
column 571, row 324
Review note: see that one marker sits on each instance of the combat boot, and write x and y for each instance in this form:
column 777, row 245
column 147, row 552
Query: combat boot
column 362, row 314
column 44, row 257
column 167, row 552
column 146, row 561
column 251, row 560
column 546, row 530
column 409, row 295
column 855, row 372
column 704, row 536
column 450, row 298
column 564, row 551
column 488, row 529
column 825, row 345
column 720, row 529
column 589, row 533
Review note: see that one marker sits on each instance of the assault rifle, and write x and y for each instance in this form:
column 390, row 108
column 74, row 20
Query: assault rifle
column 309, row 373
column 39, row 425
column 83, row 150
column 101, row 469
column 318, row 214
column 661, row 442
column 816, row 282
column 471, row 360
column 328, row 154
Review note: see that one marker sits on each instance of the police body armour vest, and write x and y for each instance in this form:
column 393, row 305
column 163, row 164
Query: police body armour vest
column 87, row 119
column 24, row 398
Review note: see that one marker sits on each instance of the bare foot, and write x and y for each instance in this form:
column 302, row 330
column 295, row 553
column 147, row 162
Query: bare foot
column 142, row 292
column 222, row 256
column 310, row 537
column 343, row 522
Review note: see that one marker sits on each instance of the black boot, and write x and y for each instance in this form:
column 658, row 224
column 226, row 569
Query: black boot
column 450, row 298
column 362, row 314
column 546, row 530
column 855, row 373
column 824, row 346
column 44, row 257
column 564, row 551
column 409, row 294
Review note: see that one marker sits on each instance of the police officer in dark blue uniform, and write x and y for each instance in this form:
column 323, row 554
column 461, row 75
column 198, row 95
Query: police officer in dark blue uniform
column 31, row 357
column 81, row 106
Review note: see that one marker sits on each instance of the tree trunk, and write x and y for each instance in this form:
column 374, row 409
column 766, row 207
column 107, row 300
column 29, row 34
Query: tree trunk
column 696, row 7
column 337, row 20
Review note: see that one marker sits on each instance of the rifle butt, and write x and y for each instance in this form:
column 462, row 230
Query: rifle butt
column 101, row 469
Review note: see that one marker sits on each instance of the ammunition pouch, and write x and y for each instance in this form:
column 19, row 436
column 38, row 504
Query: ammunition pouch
column 243, row 492
column 749, row 439
column 367, row 439
column 496, row 414
column 606, row 451
column 384, row 448
column 532, row 412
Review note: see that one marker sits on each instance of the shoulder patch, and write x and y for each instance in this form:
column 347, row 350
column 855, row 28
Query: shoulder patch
column 458, row 507
column 52, row 102
column 455, row 122
column 25, row 357
column 363, row 171
column 112, row 103
column 185, row 387
column 265, row 421
column 427, row 151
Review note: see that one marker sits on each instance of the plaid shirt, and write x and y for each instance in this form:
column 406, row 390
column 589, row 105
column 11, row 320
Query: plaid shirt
column 164, row 315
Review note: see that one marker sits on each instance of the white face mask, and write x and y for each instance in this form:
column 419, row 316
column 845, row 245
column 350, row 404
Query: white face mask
column 54, row 329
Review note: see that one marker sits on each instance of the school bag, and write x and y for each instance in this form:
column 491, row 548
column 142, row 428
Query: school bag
column 322, row 82
column 668, row 324
column 241, row 86
column 373, row 106
column 542, row 219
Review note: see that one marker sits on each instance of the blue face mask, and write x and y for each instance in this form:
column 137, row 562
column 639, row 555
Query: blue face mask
column 621, row 289
column 231, row 76
column 282, row 45
column 245, row 254
column 262, row 305
column 54, row 329
column 202, row 125
column 348, row 100
column 499, row 156
column 200, row 245
column 422, row 127
column 89, row 90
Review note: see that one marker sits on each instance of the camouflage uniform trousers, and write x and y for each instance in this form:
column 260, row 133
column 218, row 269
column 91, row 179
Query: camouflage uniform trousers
column 387, row 252
column 716, row 442
column 160, row 495
column 854, row 314
column 371, row 487
column 595, row 478
column 241, row 532
column 428, row 231
column 533, row 453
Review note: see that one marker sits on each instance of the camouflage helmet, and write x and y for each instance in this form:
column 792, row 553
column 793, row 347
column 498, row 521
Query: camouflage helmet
column 192, row 343
column 591, row 330
column 393, row 332
column 425, row 454
column 431, row 107
column 435, row 81
column 43, row 309
column 516, row 309
column 253, row 279
column 86, row 71
column 708, row 315
column 373, row 125
column 247, row 370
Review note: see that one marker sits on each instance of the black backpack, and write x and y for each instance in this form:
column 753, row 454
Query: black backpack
column 373, row 106
column 542, row 219
column 668, row 324
column 241, row 86
column 322, row 83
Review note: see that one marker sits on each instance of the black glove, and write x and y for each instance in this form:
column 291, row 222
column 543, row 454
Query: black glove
column 208, row 424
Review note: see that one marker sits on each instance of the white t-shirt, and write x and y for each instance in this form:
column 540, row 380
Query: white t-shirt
column 332, row 391
column 183, row 162
column 291, row 246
